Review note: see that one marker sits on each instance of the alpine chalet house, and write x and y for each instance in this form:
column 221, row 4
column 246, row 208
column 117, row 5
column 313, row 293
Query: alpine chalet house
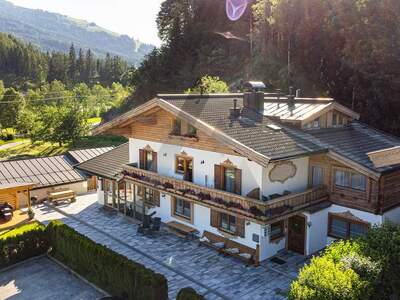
column 263, row 171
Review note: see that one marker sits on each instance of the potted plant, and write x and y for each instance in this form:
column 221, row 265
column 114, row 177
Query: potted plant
column 31, row 214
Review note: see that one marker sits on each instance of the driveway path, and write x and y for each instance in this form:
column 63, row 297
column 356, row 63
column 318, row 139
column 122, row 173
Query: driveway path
column 41, row 278
column 9, row 145
column 183, row 262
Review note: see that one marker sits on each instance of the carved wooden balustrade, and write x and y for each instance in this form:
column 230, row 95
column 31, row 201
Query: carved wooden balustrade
column 225, row 201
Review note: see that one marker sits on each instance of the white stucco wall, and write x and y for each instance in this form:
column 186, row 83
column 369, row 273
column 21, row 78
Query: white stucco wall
column 251, row 171
column 392, row 215
column 269, row 249
column 298, row 183
column 317, row 231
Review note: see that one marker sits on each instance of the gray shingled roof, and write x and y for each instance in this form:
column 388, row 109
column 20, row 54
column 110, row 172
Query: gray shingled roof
column 249, row 129
column 45, row 171
column 108, row 164
column 79, row 156
column 355, row 141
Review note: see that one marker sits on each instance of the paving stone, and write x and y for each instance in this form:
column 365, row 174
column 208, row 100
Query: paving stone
column 183, row 262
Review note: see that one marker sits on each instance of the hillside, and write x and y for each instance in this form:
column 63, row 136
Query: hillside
column 55, row 32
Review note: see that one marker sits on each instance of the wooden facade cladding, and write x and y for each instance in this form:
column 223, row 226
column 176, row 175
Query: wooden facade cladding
column 390, row 194
column 222, row 201
column 161, row 131
column 367, row 200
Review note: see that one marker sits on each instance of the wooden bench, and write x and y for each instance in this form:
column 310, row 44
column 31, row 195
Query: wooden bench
column 183, row 229
column 210, row 239
column 61, row 195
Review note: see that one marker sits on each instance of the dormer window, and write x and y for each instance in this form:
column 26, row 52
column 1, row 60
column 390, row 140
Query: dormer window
column 191, row 131
column 334, row 119
column 316, row 123
column 176, row 127
column 181, row 128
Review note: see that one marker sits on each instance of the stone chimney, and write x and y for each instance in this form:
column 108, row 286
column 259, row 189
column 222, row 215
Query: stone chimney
column 253, row 97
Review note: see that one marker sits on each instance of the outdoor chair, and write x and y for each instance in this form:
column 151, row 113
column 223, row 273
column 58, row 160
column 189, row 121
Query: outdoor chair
column 156, row 224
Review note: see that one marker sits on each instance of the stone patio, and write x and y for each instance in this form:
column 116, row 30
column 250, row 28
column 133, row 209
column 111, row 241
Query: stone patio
column 42, row 278
column 183, row 262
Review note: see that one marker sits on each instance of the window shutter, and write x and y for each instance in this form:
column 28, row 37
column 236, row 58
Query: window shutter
column 156, row 198
column 238, row 181
column 154, row 162
column 218, row 177
column 240, row 226
column 214, row 218
column 142, row 155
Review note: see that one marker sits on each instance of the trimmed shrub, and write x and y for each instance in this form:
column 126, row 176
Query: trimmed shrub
column 335, row 275
column 189, row 293
column 22, row 243
column 105, row 268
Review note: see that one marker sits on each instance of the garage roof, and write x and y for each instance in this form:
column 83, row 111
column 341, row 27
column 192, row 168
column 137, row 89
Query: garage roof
column 45, row 171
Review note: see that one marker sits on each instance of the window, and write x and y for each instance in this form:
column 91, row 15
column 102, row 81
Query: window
column 316, row 123
column 317, row 176
column 345, row 228
column 277, row 230
column 191, row 130
column 230, row 180
column 334, row 119
column 148, row 160
column 183, row 208
column 228, row 223
column 184, row 166
column 176, row 127
column 350, row 180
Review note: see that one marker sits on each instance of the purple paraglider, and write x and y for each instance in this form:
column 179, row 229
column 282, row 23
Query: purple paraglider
column 235, row 9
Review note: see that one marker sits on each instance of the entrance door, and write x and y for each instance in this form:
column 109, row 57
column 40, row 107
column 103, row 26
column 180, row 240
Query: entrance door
column 297, row 234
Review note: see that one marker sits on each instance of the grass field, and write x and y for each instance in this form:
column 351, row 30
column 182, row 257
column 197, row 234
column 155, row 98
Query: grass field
column 39, row 149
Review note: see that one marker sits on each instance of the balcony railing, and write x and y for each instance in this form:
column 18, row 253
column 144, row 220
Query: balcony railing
column 249, row 207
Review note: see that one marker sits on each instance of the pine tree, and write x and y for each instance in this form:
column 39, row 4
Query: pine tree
column 90, row 70
column 80, row 66
column 72, row 71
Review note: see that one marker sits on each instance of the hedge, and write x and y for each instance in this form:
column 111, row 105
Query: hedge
column 22, row 243
column 107, row 269
column 189, row 293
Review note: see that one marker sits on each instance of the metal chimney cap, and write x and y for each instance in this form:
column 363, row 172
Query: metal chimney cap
column 254, row 85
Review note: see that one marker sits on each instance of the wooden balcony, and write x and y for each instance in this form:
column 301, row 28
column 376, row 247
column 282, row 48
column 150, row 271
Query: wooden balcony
column 225, row 201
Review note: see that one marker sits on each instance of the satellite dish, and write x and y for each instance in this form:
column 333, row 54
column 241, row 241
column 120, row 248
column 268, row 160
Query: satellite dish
column 235, row 9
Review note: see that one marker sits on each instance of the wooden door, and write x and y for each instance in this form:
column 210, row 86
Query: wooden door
column 297, row 234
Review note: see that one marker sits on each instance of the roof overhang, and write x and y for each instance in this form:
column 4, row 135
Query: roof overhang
column 385, row 157
column 233, row 144
column 354, row 165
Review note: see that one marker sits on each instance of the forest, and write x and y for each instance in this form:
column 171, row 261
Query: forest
column 24, row 66
column 346, row 49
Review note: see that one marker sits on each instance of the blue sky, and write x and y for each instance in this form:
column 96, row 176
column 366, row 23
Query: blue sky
column 132, row 17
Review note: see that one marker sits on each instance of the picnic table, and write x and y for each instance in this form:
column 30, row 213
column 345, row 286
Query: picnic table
column 186, row 230
column 61, row 195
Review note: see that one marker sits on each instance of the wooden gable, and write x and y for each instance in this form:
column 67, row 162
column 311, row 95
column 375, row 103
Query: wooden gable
column 366, row 200
column 157, row 125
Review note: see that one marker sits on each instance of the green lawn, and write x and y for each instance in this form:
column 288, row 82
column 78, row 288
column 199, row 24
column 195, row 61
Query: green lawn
column 39, row 149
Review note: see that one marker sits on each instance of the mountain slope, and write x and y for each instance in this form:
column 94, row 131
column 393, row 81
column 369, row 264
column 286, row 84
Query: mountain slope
column 55, row 32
